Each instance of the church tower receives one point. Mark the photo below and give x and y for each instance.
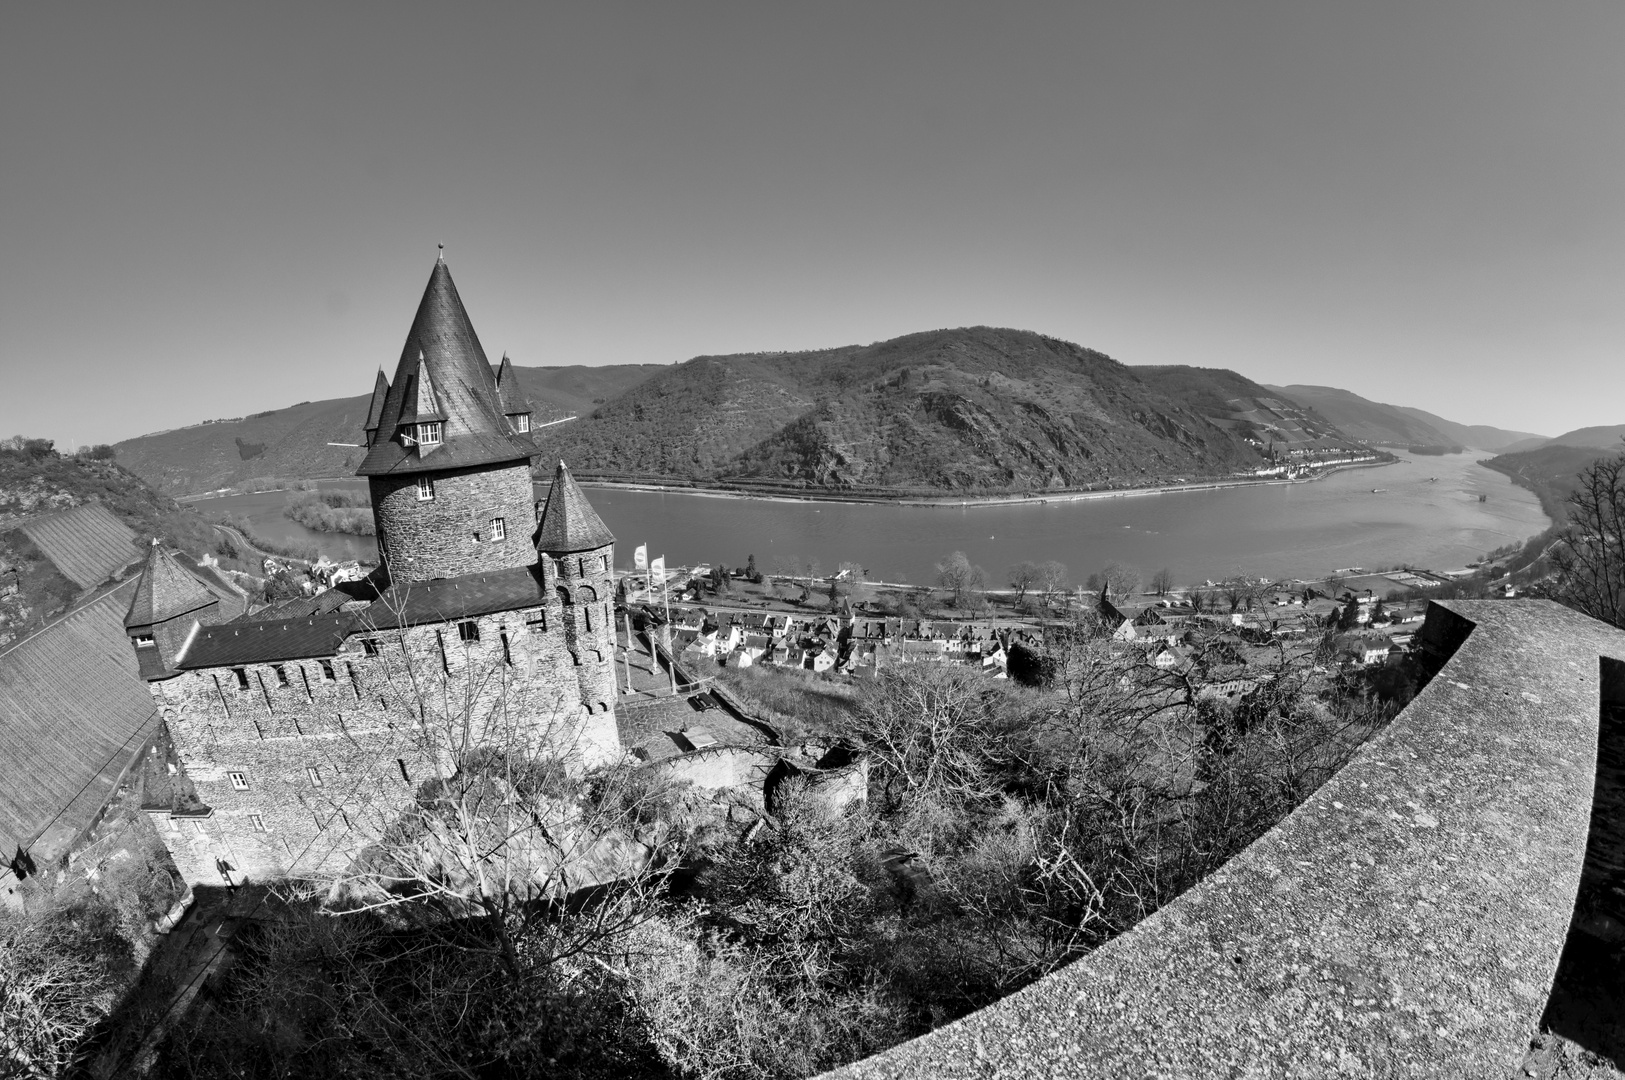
(449, 451)
(577, 554)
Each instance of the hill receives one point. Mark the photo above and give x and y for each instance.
(977, 409)
(1550, 471)
(295, 442)
(1606, 437)
(1395, 425)
(1244, 407)
(1477, 436)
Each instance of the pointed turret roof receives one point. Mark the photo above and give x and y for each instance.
(443, 375)
(510, 394)
(375, 409)
(569, 523)
(166, 590)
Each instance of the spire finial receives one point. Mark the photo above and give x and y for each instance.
(442, 256)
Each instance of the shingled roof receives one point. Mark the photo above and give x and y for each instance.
(73, 715)
(442, 375)
(569, 523)
(165, 590)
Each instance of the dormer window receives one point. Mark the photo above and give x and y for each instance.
(429, 433)
(144, 641)
(521, 422)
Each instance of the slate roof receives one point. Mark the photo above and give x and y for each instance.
(86, 543)
(510, 395)
(447, 599)
(165, 591)
(569, 523)
(375, 408)
(74, 713)
(443, 371)
(266, 641)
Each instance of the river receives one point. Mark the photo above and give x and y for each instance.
(1295, 530)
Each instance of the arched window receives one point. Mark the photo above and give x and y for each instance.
(603, 706)
(564, 596)
(586, 710)
(586, 594)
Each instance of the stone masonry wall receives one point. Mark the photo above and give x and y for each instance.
(374, 727)
(582, 585)
(585, 587)
(451, 534)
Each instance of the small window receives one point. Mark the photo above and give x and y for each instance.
(197, 827)
(425, 488)
(369, 646)
(404, 774)
(521, 422)
(281, 674)
(429, 434)
(507, 654)
(238, 780)
(328, 674)
(242, 677)
(468, 631)
(499, 528)
(315, 774)
(257, 821)
(144, 641)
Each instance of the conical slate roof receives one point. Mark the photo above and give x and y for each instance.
(510, 395)
(375, 409)
(165, 591)
(443, 375)
(569, 523)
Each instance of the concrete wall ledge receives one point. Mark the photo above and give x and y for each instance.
(1405, 921)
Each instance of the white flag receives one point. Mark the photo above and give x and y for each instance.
(658, 566)
(640, 557)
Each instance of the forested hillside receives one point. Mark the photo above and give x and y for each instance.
(967, 410)
(1396, 425)
(1551, 470)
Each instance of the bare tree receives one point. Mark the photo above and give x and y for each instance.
(1122, 582)
(50, 999)
(1590, 555)
(1162, 582)
(956, 574)
(1052, 579)
(509, 818)
(1022, 577)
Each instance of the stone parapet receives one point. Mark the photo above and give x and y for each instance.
(1406, 920)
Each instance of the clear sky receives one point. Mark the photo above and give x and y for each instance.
(210, 210)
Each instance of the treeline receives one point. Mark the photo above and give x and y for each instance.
(333, 511)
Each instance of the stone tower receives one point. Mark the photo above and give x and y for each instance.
(449, 451)
(577, 555)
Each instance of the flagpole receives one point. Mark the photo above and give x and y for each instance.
(671, 657)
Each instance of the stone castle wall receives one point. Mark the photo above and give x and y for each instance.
(375, 728)
(584, 584)
(451, 534)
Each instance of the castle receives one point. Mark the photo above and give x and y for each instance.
(292, 735)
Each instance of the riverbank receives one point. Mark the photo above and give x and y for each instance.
(1027, 499)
